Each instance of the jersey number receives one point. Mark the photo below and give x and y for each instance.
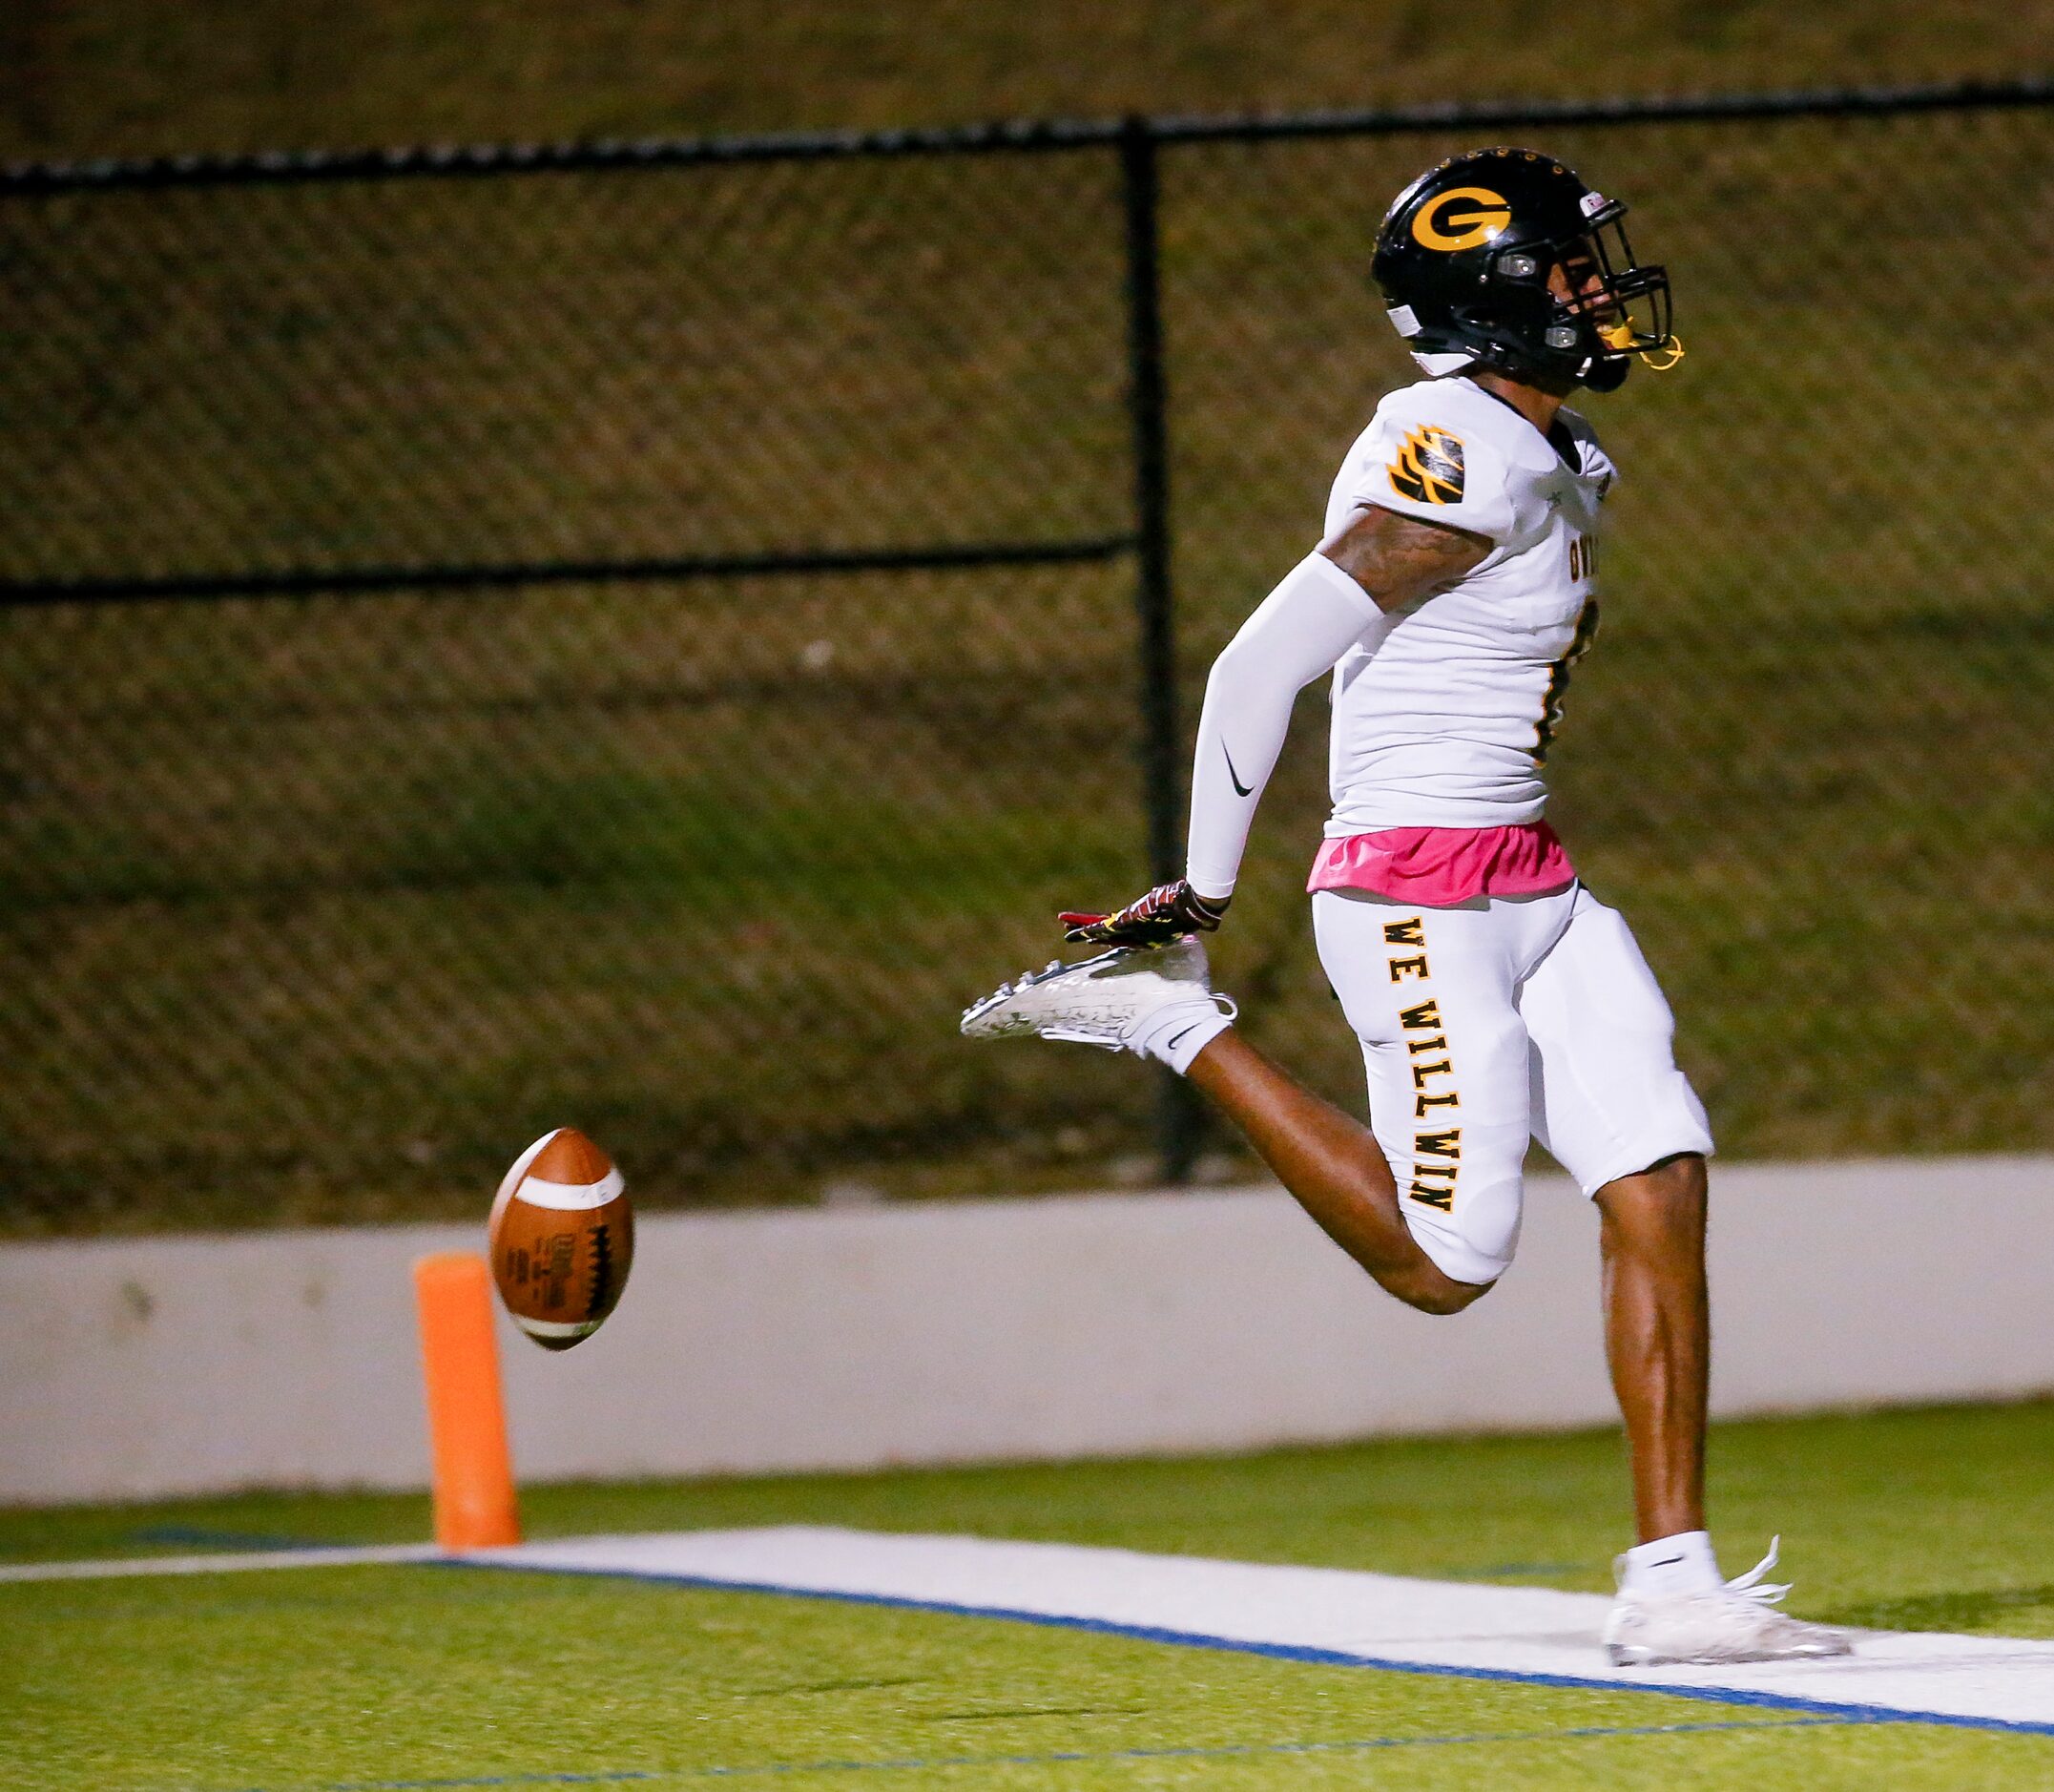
(1557, 679)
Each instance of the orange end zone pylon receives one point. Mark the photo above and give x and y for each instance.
(475, 1505)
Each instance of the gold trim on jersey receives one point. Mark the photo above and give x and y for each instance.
(1557, 679)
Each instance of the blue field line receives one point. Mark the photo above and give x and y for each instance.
(1292, 1651)
(1226, 1751)
(1505, 1569)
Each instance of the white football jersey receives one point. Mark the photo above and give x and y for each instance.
(1444, 721)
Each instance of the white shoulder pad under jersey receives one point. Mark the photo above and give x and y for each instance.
(1446, 452)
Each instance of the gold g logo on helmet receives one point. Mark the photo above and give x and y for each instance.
(1460, 219)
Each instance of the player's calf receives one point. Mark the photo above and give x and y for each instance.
(1333, 1166)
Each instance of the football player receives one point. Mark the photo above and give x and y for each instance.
(1494, 996)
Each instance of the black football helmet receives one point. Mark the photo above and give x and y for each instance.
(1464, 257)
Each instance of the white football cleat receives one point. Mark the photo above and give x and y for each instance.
(1737, 1622)
(1108, 1001)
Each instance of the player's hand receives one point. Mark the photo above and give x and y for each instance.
(1167, 912)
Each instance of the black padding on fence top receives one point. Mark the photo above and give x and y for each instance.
(450, 160)
(379, 580)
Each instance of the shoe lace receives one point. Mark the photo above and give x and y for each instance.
(1752, 1586)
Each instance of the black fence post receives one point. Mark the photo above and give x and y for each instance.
(1179, 1115)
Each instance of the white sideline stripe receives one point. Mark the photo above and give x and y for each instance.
(1344, 1616)
(240, 1560)
(1319, 1614)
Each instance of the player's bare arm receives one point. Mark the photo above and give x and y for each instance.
(1400, 561)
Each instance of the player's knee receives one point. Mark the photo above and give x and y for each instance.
(1429, 1290)
(1676, 1183)
(1658, 1208)
(1445, 1302)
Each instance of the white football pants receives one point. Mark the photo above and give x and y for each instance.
(1486, 1022)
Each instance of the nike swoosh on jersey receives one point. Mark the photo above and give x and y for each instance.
(1240, 788)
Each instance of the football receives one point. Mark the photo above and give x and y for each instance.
(561, 1239)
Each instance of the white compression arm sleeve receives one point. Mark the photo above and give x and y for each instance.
(1300, 628)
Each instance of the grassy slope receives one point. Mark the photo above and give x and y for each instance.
(1934, 1518)
(125, 76)
(244, 840)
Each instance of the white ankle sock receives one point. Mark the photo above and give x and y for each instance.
(1176, 1035)
(1672, 1565)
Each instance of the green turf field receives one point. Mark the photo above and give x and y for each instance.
(421, 1676)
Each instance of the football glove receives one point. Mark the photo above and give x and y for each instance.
(1167, 912)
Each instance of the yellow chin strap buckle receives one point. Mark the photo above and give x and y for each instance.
(1619, 338)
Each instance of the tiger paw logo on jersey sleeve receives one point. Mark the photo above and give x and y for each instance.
(1428, 468)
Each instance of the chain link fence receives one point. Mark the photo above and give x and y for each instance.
(636, 637)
